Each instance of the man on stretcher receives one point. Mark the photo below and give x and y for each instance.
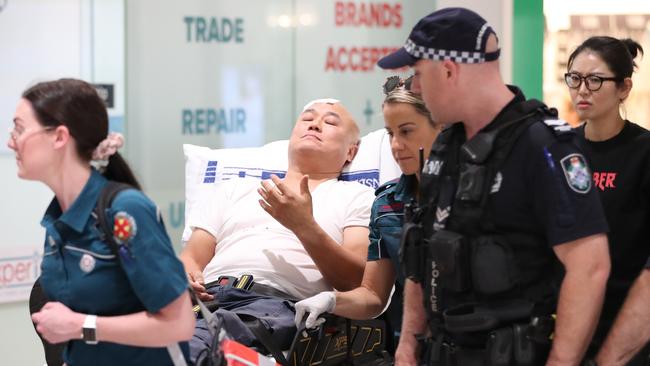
(257, 247)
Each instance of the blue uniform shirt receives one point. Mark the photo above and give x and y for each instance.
(387, 218)
(386, 221)
(80, 270)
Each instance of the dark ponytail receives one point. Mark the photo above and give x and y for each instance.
(118, 170)
(76, 105)
(618, 54)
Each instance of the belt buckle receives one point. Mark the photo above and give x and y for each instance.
(244, 282)
(225, 281)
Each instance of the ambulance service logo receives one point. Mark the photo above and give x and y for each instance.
(124, 227)
(576, 172)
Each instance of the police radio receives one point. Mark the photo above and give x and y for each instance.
(411, 251)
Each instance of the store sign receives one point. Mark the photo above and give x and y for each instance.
(214, 29)
(19, 269)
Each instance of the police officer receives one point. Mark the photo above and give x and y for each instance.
(509, 234)
(631, 330)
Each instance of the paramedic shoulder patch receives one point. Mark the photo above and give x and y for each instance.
(124, 227)
(576, 172)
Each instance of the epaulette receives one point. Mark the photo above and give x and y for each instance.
(386, 185)
(560, 127)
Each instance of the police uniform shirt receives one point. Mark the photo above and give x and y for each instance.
(80, 270)
(543, 190)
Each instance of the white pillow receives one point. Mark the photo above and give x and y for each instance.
(204, 167)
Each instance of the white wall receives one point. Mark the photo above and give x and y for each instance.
(44, 40)
(23, 204)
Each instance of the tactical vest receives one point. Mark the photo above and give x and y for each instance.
(468, 269)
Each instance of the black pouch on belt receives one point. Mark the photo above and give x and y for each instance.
(499, 347)
(450, 253)
(410, 251)
(525, 350)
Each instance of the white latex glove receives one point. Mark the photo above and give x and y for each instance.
(315, 306)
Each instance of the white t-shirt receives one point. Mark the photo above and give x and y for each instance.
(250, 241)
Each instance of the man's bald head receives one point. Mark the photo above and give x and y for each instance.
(327, 132)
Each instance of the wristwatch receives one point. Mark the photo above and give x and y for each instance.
(89, 329)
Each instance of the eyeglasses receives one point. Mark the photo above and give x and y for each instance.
(393, 82)
(592, 82)
(15, 135)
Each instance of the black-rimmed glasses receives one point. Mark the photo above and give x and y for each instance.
(592, 82)
(393, 82)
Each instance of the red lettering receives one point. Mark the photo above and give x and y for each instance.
(342, 65)
(387, 16)
(368, 14)
(374, 57)
(22, 270)
(363, 20)
(16, 273)
(330, 63)
(398, 20)
(365, 60)
(354, 66)
(355, 59)
(601, 181)
(610, 180)
(352, 10)
(375, 13)
(339, 13)
(7, 273)
(604, 180)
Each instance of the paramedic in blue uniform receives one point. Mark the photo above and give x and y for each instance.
(131, 310)
(505, 198)
(599, 77)
(410, 128)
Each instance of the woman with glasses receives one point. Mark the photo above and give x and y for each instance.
(599, 80)
(411, 131)
(130, 308)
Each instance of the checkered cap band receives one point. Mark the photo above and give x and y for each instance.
(434, 54)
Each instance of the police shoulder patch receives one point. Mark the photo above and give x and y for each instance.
(124, 227)
(576, 172)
